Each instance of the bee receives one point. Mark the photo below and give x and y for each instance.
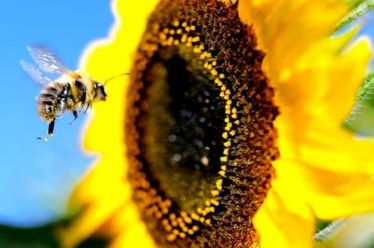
(71, 91)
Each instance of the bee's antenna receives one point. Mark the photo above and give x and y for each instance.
(116, 76)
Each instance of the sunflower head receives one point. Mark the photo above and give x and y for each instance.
(192, 140)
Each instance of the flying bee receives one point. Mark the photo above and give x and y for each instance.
(70, 92)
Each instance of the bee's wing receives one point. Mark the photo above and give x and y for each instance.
(48, 62)
(35, 73)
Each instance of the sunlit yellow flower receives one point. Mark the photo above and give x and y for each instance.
(322, 171)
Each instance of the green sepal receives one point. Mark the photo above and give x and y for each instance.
(358, 9)
(361, 119)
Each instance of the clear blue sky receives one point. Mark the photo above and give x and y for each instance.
(37, 177)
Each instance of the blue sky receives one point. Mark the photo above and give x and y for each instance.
(37, 177)
(368, 29)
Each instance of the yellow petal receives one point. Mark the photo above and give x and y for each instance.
(350, 69)
(324, 82)
(98, 204)
(328, 194)
(334, 195)
(283, 222)
(104, 190)
(303, 64)
(125, 229)
(286, 29)
(315, 80)
(311, 122)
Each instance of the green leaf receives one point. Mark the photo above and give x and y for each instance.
(40, 237)
(327, 231)
(354, 3)
(356, 231)
(322, 224)
(94, 243)
(361, 119)
(366, 92)
(359, 8)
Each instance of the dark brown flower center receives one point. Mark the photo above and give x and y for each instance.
(199, 126)
(180, 125)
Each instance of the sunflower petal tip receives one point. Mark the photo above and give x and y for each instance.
(364, 44)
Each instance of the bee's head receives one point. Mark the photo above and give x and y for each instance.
(100, 93)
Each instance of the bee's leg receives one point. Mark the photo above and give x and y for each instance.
(85, 111)
(75, 113)
(89, 105)
(51, 126)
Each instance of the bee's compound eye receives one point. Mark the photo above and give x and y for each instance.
(101, 93)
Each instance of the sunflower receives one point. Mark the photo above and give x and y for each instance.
(228, 130)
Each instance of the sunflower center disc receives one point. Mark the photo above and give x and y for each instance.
(199, 127)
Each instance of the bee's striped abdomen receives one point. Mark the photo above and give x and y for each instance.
(48, 101)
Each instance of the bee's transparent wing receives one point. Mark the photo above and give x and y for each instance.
(47, 61)
(35, 73)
